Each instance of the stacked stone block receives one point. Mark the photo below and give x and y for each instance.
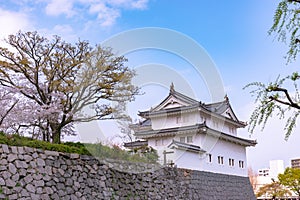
(28, 173)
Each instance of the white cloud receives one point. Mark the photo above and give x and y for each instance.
(129, 4)
(105, 15)
(142, 4)
(12, 22)
(107, 11)
(58, 7)
(104, 12)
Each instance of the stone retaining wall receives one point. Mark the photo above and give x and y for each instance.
(27, 173)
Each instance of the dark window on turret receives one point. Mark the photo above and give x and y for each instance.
(209, 158)
(241, 164)
(221, 160)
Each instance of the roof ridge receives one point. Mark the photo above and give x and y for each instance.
(218, 102)
(184, 96)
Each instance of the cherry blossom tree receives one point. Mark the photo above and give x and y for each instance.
(253, 178)
(8, 105)
(60, 80)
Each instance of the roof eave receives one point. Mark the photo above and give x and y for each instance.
(186, 147)
(145, 134)
(196, 128)
(231, 138)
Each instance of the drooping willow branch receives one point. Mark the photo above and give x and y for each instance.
(287, 95)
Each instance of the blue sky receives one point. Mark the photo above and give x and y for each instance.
(234, 34)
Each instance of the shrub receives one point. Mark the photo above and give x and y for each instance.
(97, 150)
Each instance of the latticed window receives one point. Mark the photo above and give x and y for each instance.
(189, 139)
(182, 139)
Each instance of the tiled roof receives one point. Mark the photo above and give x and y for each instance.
(218, 108)
(162, 132)
(185, 146)
(134, 144)
(198, 128)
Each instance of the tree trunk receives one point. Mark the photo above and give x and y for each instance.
(56, 137)
(46, 130)
(55, 132)
(46, 136)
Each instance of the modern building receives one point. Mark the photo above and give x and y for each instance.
(295, 163)
(270, 174)
(195, 135)
(275, 167)
(264, 172)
